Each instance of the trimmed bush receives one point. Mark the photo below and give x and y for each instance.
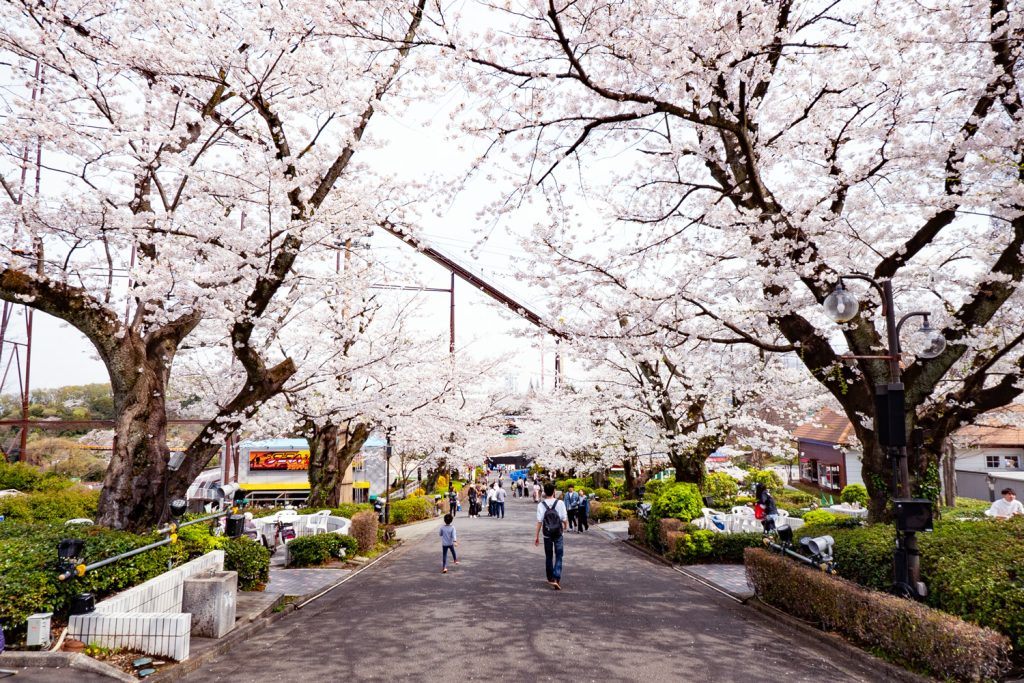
(915, 635)
(250, 559)
(666, 526)
(652, 489)
(721, 487)
(697, 546)
(411, 510)
(769, 478)
(854, 493)
(630, 505)
(28, 568)
(603, 494)
(681, 501)
(364, 530)
(637, 530)
(820, 517)
(50, 506)
(310, 551)
(790, 499)
(967, 508)
(608, 511)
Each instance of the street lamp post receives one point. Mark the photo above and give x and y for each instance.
(890, 418)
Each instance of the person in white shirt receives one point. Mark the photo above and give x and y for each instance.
(1007, 506)
(499, 502)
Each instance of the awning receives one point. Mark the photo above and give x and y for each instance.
(275, 487)
(360, 484)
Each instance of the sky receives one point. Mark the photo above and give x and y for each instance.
(412, 146)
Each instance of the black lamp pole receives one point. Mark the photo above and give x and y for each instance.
(890, 419)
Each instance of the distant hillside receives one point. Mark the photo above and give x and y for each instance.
(83, 402)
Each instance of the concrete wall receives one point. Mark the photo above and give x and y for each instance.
(974, 484)
(147, 617)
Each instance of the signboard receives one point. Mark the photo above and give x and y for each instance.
(278, 460)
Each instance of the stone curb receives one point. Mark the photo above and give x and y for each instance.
(59, 660)
(177, 671)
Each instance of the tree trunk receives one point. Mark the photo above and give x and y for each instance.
(948, 474)
(135, 489)
(331, 451)
(629, 470)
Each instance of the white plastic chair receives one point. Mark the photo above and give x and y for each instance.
(316, 523)
(716, 521)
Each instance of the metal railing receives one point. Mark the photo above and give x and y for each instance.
(171, 531)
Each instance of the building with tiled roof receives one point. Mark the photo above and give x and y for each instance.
(830, 455)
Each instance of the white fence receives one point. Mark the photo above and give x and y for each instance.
(147, 617)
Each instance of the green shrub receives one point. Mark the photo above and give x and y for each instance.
(345, 510)
(820, 517)
(721, 487)
(50, 506)
(703, 546)
(769, 478)
(790, 499)
(364, 530)
(967, 508)
(411, 510)
(18, 475)
(679, 500)
(603, 494)
(608, 511)
(652, 489)
(29, 571)
(854, 493)
(250, 559)
(309, 551)
(689, 547)
(915, 635)
(630, 505)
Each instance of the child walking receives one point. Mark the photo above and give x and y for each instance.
(448, 542)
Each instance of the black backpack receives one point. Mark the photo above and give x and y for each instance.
(551, 522)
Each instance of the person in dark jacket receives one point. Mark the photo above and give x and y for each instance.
(767, 503)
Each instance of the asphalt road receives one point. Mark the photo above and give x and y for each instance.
(619, 617)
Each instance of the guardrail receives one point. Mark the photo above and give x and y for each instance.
(171, 530)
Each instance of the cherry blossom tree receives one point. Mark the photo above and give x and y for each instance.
(747, 154)
(191, 156)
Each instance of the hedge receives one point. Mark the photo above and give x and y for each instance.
(607, 511)
(25, 478)
(28, 565)
(28, 568)
(315, 550)
(915, 635)
(965, 564)
(678, 500)
(411, 510)
(700, 546)
(50, 506)
(250, 559)
(364, 530)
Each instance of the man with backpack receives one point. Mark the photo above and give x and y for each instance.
(553, 521)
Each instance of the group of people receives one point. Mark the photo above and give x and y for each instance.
(555, 515)
(493, 496)
(577, 508)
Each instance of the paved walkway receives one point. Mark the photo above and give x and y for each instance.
(620, 617)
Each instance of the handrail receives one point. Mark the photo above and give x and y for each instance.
(171, 530)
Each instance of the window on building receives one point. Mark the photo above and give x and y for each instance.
(1013, 462)
(828, 477)
(809, 470)
(361, 495)
(992, 462)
